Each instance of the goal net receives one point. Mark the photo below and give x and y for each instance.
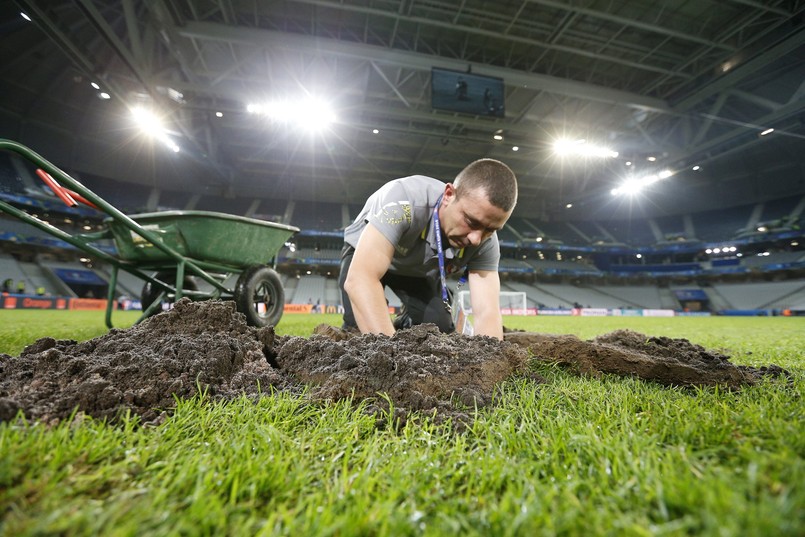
(511, 302)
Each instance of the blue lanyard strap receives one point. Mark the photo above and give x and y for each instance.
(437, 228)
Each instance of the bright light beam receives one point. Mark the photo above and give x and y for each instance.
(310, 114)
(582, 148)
(633, 186)
(152, 125)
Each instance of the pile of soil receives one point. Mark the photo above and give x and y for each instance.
(208, 347)
(195, 346)
(667, 361)
(420, 369)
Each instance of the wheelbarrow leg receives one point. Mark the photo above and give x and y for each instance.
(110, 296)
(179, 279)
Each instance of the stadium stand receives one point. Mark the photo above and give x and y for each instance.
(776, 258)
(21, 229)
(577, 296)
(525, 228)
(549, 266)
(643, 296)
(271, 211)
(594, 232)
(670, 228)
(721, 225)
(532, 294)
(514, 265)
(779, 209)
(759, 295)
(10, 268)
(129, 198)
(315, 255)
(508, 234)
(172, 200)
(309, 290)
(317, 216)
(39, 276)
(558, 231)
(332, 293)
(631, 232)
(236, 206)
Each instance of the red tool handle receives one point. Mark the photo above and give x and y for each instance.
(56, 188)
(68, 196)
(80, 198)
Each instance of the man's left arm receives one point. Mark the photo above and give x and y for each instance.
(485, 298)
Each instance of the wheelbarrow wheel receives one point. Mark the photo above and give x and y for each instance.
(259, 296)
(151, 292)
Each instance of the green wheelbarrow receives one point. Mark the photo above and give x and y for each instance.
(174, 251)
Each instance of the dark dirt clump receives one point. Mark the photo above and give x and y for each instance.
(195, 346)
(668, 361)
(420, 369)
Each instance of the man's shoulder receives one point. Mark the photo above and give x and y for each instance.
(417, 185)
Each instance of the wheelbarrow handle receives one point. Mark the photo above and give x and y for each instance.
(68, 196)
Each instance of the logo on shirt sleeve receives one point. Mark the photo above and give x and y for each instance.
(394, 213)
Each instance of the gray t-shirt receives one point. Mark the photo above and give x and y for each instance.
(402, 210)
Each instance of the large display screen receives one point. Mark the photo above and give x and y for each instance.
(466, 93)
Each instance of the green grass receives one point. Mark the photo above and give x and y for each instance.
(575, 456)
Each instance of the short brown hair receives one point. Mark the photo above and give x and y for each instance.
(492, 176)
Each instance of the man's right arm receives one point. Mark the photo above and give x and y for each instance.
(371, 260)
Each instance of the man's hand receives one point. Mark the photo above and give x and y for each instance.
(370, 262)
(485, 298)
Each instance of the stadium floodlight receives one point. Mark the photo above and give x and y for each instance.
(582, 148)
(151, 124)
(630, 187)
(310, 114)
(147, 121)
(634, 185)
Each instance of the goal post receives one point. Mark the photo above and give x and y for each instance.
(512, 302)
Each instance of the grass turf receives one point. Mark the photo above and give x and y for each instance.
(575, 456)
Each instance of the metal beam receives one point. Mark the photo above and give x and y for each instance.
(731, 79)
(714, 111)
(780, 114)
(274, 39)
(390, 84)
(633, 23)
(495, 34)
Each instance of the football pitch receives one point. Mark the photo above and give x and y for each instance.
(573, 456)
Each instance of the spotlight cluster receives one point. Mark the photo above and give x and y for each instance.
(722, 250)
(310, 114)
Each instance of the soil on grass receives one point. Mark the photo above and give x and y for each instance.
(195, 346)
(419, 369)
(668, 361)
(207, 347)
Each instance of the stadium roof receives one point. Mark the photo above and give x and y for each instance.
(688, 83)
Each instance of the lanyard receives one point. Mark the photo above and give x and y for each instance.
(437, 227)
